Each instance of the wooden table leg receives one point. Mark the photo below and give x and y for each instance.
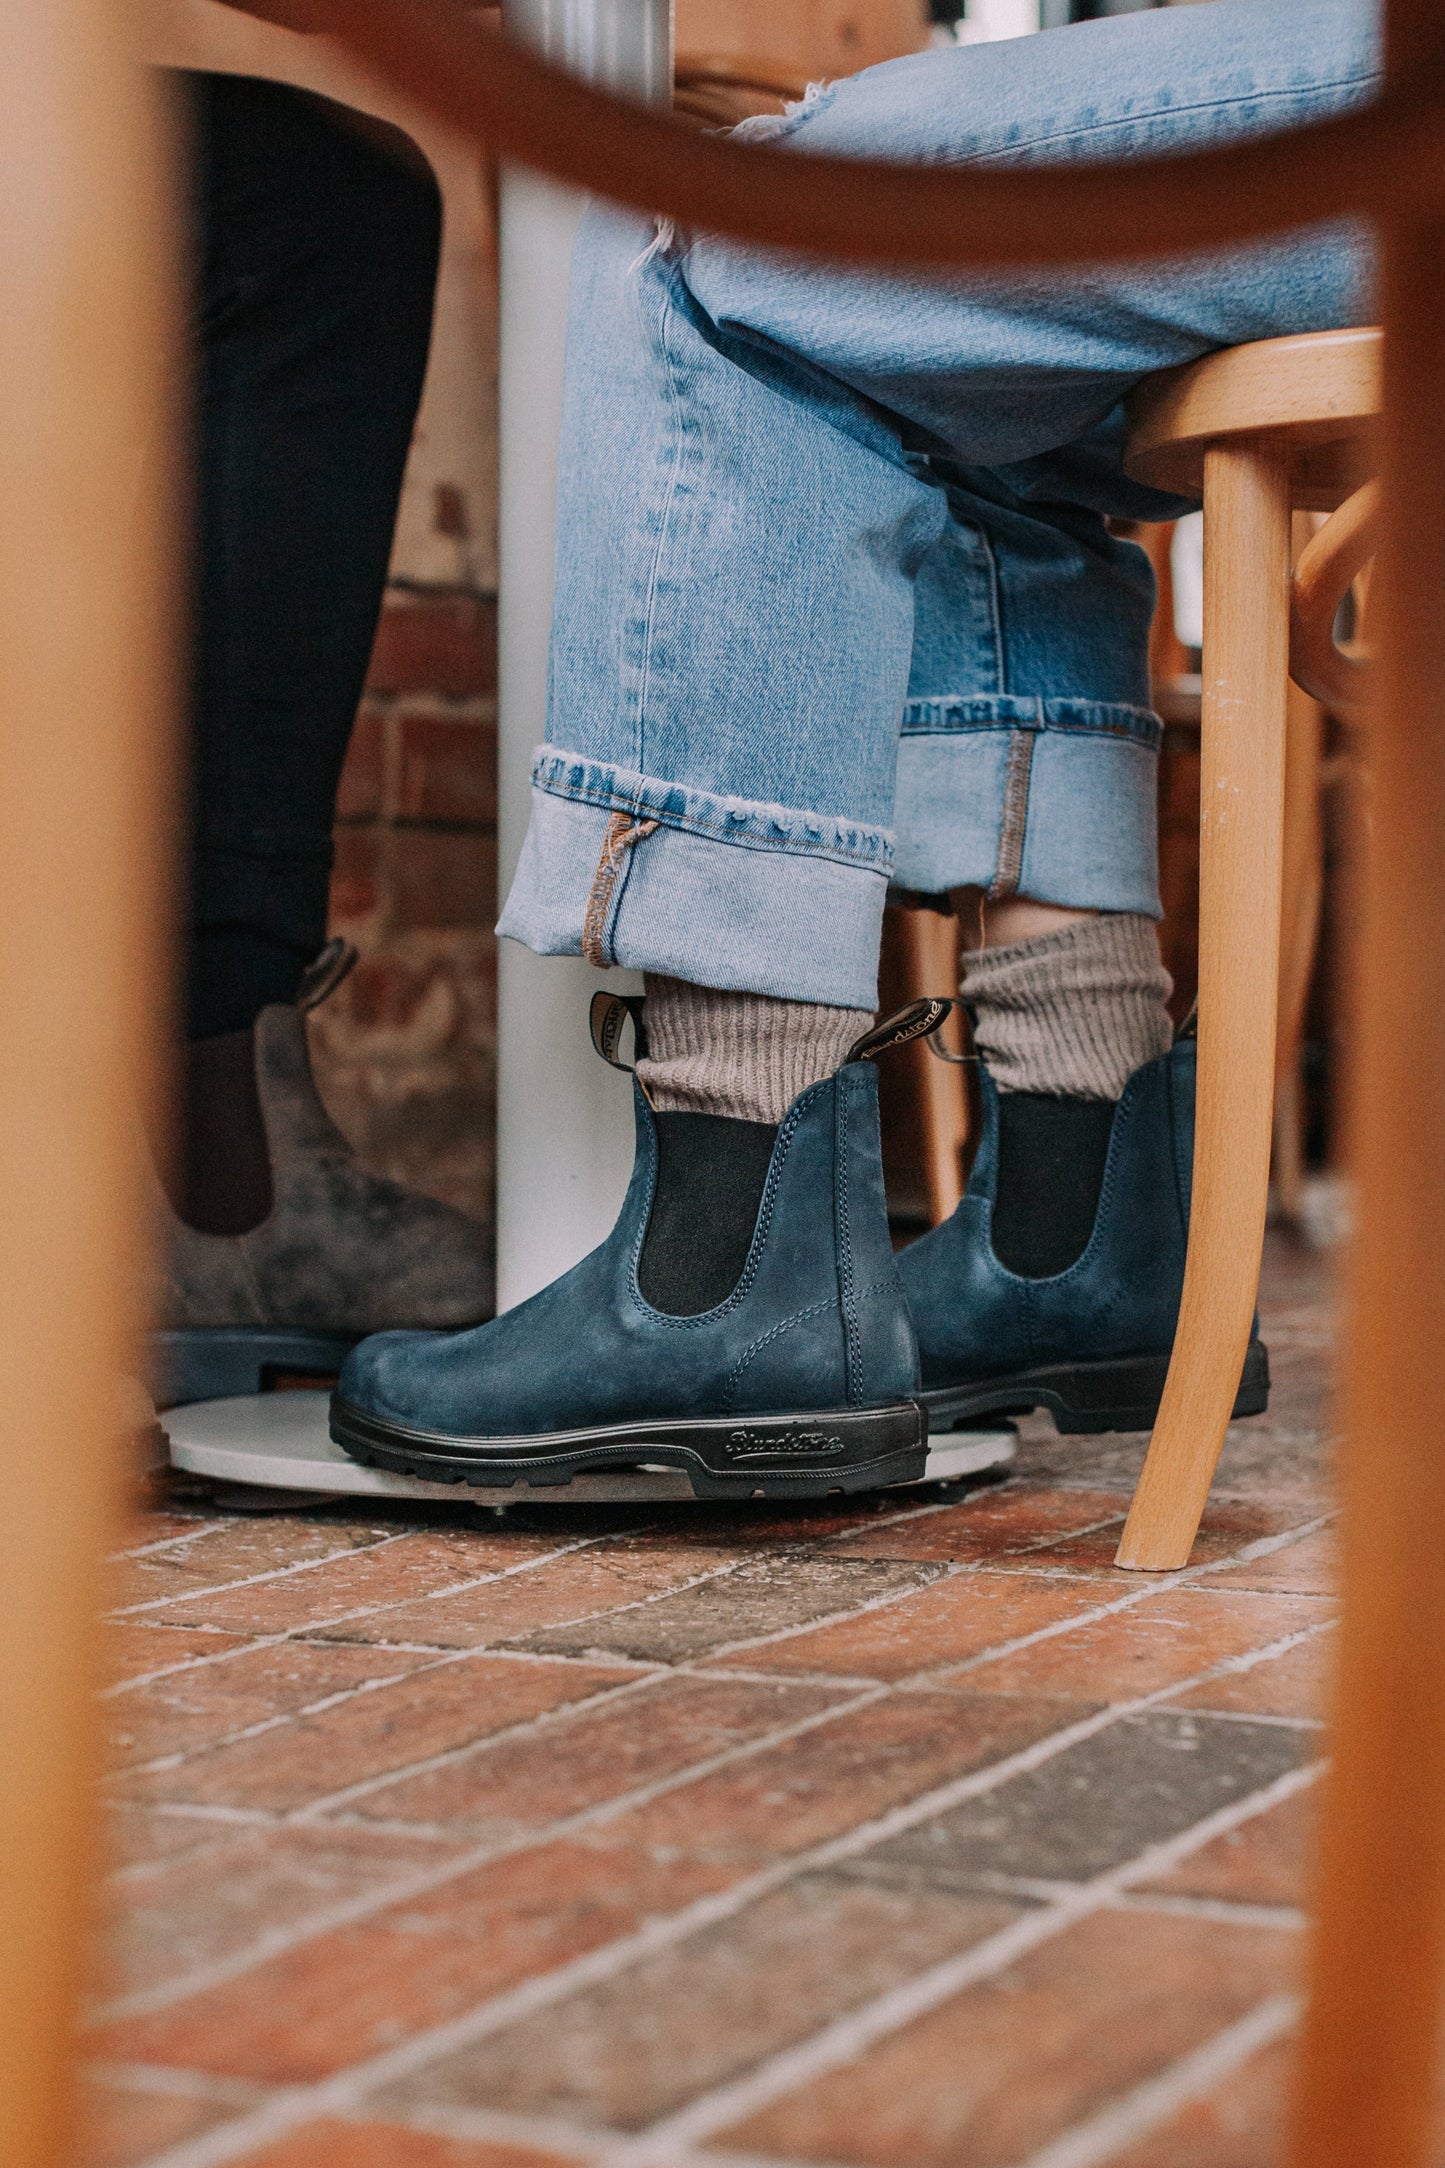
(1246, 657)
(84, 340)
(1371, 2041)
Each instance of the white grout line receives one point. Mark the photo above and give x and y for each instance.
(172, 2081)
(850, 2036)
(422, 1834)
(254, 1580)
(740, 1675)
(1225, 1911)
(278, 1941)
(1103, 2136)
(340, 2093)
(496, 2127)
(166, 1543)
(1261, 1716)
(314, 1628)
(717, 2157)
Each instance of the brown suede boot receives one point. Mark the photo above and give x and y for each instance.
(343, 1252)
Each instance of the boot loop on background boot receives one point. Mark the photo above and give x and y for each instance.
(325, 972)
(915, 1020)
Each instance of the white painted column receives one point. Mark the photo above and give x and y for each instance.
(564, 1119)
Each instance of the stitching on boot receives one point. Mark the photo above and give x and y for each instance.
(1013, 824)
(623, 833)
(852, 1336)
(755, 1347)
(796, 1317)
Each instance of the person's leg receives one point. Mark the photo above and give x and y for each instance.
(315, 255)
(759, 455)
(315, 249)
(767, 467)
(316, 260)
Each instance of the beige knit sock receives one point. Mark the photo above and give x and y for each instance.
(745, 1055)
(1072, 1013)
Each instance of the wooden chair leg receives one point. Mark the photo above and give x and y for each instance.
(1246, 641)
(930, 952)
(1302, 892)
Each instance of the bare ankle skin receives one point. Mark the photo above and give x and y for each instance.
(988, 924)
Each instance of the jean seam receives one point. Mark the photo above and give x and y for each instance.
(669, 495)
(623, 835)
(995, 608)
(1315, 93)
(1013, 816)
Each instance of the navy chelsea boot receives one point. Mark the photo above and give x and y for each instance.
(800, 1380)
(1091, 1343)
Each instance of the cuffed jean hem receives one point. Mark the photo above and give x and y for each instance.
(728, 892)
(1052, 799)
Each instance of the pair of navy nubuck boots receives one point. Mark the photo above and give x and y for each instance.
(748, 1322)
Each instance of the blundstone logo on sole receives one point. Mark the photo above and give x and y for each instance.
(756, 1445)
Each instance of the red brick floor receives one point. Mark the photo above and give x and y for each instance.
(910, 1834)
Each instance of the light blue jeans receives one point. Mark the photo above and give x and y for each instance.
(837, 603)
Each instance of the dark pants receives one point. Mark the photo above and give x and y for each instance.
(315, 263)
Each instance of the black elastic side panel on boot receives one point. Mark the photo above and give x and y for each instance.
(710, 1176)
(220, 1183)
(1051, 1155)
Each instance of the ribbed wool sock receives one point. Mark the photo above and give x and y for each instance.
(1062, 1022)
(721, 1071)
(1072, 1013)
(743, 1055)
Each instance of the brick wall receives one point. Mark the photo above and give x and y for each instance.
(406, 1050)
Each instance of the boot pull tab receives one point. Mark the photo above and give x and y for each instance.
(606, 1016)
(325, 973)
(916, 1020)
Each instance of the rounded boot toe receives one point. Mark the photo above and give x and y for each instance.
(390, 1375)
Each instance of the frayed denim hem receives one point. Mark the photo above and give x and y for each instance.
(751, 822)
(622, 887)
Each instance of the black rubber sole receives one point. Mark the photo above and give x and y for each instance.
(752, 1456)
(219, 1362)
(1119, 1395)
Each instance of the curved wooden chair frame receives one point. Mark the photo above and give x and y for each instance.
(84, 675)
(1256, 431)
